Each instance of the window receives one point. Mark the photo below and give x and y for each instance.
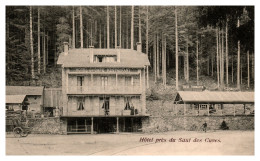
(80, 80)
(81, 103)
(105, 58)
(128, 81)
(104, 81)
(105, 104)
(203, 106)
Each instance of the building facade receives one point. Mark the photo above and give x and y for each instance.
(33, 95)
(103, 90)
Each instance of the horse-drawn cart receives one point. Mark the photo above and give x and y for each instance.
(17, 123)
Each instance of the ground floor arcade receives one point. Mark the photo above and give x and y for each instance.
(108, 124)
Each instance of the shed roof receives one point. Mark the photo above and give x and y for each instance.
(81, 58)
(24, 90)
(15, 99)
(215, 97)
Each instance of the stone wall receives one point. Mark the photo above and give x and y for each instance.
(194, 123)
(50, 125)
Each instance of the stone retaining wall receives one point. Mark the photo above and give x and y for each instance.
(50, 125)
(194, 123)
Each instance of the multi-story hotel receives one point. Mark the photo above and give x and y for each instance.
(103, 90)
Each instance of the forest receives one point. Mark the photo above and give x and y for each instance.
(211, 46)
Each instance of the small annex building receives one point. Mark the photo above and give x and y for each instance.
(16, 102)
(214, 103)
(103, 90)
(33, 96)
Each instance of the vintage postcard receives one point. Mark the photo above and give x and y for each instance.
(129, 80)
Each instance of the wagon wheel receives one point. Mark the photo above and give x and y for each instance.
(18, 132)
(24, 133)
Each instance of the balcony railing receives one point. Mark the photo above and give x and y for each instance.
(104, 90)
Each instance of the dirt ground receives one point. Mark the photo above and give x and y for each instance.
(171, 143)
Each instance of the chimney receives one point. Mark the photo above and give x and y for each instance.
(118, 53)
(139, 46)
(91, 58)
(66, 48)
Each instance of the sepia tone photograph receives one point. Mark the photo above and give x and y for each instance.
(129, 80)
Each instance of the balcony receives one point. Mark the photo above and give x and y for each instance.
(104, 90)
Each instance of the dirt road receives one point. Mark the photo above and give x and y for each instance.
(171, 143)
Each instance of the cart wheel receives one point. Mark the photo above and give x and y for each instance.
(24, 133)
(17, 132)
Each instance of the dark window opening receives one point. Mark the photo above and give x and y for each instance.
(80, 103)
(80, 80)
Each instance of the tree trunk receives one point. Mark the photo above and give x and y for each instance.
(248, 71)
(91, 33)
(140, 29)
(154, 59)
(238, 60)
(120, 25)
(132, 29)
(108, 43)
(31, 44)
(157, 56)
(39, 42)
(232, 69)
(81, 27)
(188, 73)
(253, 64)
(162, 60)
(222, 60)
(115, 28)
(220, 57)
(227, 59)
(197, 60)
(47, 55)
(73, 27)
(165, 78)
(104, 36)
(217, 38)
(44, 52)
(176, 49)
(147, 32)
(127, 43)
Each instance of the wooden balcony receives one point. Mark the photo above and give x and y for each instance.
(104, 90)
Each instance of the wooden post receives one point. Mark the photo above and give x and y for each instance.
(147, 73)
(117, 125)
(208, 109)
(116, 80)
(199, 109)
(92, 125)
(234, 110)
(184, 112)
(244, 109)
(140, 79)
(86, 125)
(221, 109)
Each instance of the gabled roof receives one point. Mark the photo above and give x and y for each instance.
(81, 58)
(24, 90)
(14, 99)
(214, 97)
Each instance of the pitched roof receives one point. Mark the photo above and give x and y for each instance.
(24, 90)
(81, 58)
(15, 99)
(215, 97)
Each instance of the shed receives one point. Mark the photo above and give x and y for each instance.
(208, 99)
(16, 102)
(33, 94)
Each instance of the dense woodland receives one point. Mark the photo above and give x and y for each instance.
(185, 44)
